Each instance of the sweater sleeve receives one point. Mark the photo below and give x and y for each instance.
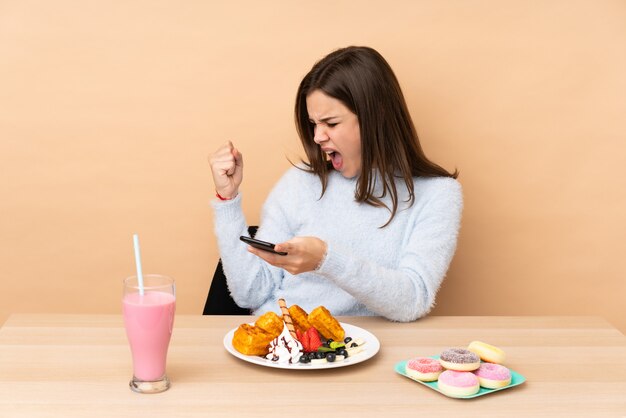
(251, 281)
(407, 292)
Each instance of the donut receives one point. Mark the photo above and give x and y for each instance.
(487, 352)
(458, 384)
(493, 376)
(459, 359)
(425, 369)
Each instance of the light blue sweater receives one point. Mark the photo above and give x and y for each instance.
(394, 271)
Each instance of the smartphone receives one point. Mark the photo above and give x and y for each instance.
(261, 245)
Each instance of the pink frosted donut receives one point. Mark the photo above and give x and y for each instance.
(459, 359)
(458, 384)
(493, 376)
(425, 369)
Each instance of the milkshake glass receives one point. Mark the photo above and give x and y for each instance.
(149, 319)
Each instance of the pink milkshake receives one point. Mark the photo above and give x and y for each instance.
(149, 319)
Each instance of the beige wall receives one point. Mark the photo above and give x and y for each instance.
(109, 109)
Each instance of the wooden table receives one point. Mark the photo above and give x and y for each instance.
(79, 366)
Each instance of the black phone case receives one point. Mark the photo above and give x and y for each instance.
(261, 245)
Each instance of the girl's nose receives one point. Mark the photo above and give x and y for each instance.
(319, 134)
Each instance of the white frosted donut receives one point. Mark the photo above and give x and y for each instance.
(487, 352)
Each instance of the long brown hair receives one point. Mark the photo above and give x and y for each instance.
(364, 82)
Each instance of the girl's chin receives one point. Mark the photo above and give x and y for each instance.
(349, 174)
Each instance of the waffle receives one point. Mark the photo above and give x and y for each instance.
(251, 341)
(271, 323)
(326, 324)
(300, 318)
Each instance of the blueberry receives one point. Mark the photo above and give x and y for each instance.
(342, 352)
(330, 357)
(354, 345)
(319, 355)
(311, 355)
(330, 340)
(305, 359)
(347, 340)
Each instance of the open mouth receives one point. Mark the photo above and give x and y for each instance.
(336, 159)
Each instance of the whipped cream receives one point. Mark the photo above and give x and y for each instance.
(285, 348)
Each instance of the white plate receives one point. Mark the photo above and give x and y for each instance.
(370, 348)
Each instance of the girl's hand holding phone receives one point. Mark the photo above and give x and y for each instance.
(303, 254)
